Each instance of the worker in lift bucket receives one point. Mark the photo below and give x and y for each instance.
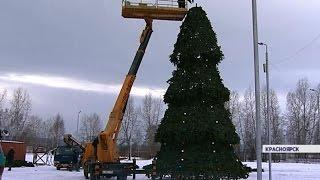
(182, 3)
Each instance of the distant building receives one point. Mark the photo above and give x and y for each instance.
(18, 147)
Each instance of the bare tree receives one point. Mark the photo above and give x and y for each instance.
(243, 117)
(19, 111)
(3, 114)
(276, 120)
(3, 96)
(45, 138)
(151, 112)
(248, 117)
(234, 106)
(57, 130)
(32, 130)
(5, 118)
(90, 126)
(316, 139)
(301, 116)
(129, 126)
(277, 125)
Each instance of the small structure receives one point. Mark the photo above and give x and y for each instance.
(42, 156)
(18, 147)
(156, 9)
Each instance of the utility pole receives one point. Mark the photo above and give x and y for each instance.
(266, 70)
(78, 123)
(257, 89)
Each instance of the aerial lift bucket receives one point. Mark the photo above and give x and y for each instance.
(171, 10)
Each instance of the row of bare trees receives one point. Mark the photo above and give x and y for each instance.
(303, 114)
(139, 126)
(298, 123)
(243, 116)
(90, 127)
(16, 117)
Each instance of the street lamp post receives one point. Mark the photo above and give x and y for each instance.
(257, 89)
(78, 123)
(266, 70)
(318, 96)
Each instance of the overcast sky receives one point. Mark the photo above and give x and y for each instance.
(73, 55)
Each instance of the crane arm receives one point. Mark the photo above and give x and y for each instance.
(108, 137)
(71, 141)
(121, 102)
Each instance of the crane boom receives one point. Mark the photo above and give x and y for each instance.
(107, 149)
(121, 102)
(101, 157)
(71, 141)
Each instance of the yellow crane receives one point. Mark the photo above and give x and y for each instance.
(101, 157)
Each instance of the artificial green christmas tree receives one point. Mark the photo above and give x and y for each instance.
(196, 133)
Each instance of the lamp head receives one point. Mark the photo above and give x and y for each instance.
(5, 132)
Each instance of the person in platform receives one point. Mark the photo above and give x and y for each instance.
(182, 3)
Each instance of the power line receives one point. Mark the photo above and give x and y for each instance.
(298, 51)
(275, 67)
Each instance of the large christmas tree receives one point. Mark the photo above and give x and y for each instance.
(196, 133)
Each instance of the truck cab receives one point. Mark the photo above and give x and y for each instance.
(63, 156)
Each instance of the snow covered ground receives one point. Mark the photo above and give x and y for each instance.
(288, 171)
(281, 171)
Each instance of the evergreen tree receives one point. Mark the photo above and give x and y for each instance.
(196, 133)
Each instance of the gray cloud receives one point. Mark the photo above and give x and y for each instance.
(79, 85)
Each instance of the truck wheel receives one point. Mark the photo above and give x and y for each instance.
(94, 177)
(86, 172)
(58, 168)
(122, 177)
(92, 174)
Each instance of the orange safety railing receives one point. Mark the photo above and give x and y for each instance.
(153, 3)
